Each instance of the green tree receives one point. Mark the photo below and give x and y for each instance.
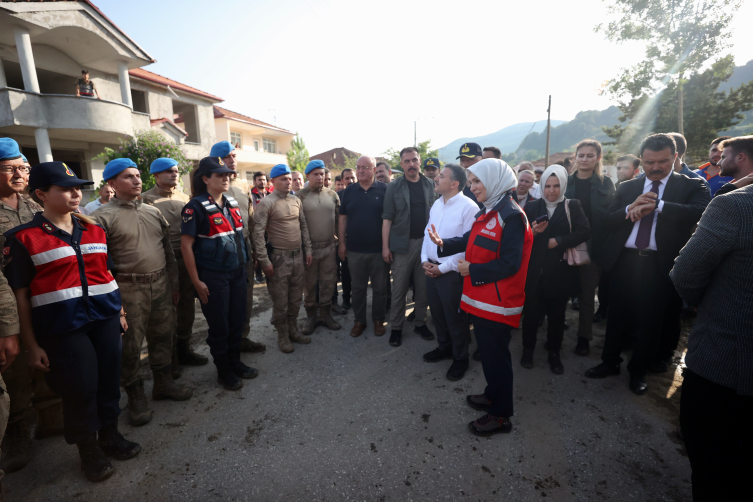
(424, 151)
(144, 148)
(681, 36)
(298, 155)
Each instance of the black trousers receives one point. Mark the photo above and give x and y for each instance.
(226, 310)
(671, 327)
(451, 323)
(603, 294)
(343, 275)
(640, 294)
(715, 424)
(494, 342)
(535, 308)
(85, 373)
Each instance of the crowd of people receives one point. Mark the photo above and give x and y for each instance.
(485, 247)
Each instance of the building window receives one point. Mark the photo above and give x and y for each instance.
(270, 145)
(235, 139)
(187, 117)
(250, 176)
(140, 103)
(256, 145)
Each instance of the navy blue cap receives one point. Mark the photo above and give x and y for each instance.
(117, 166)
(54, 173)
(279, 170)
(432, 162)
(221, 149)
(162, 164)
(9, 149)
(314, 164)
(210, 165)
(470, 150)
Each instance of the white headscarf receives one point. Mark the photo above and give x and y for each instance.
(498, 179)
(561, 174)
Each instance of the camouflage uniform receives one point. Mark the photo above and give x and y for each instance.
(9, 326)
(282, 218)
(138, 238)
(321, 208)
(170, 204)
(22, 381)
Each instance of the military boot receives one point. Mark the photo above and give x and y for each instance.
(94, 463)
(328, 320)
(248, 345)
(138, 411)
(49, 421)
(283, 339)
(311, 321)
(165, 388)
(175, 368)
(294, 334)
(187, 356)
(17, 444)
(113, 444)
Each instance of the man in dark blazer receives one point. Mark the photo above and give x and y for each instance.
(650, 219)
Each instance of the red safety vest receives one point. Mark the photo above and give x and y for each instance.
(72, 285)
(500, 301)
(223, 248)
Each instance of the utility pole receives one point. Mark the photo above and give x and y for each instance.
(548, 130)
(414, 133)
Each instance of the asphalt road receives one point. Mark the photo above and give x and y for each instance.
(355, 419)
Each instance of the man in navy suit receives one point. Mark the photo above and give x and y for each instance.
(651, 219)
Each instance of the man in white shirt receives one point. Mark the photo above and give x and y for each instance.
(105, 194)
(452, 215)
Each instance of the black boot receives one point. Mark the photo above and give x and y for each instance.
(114, 445)
(583, 348)
(95, 465)
(527, 359)
(225, 375)
(555, 364)
(239, 369)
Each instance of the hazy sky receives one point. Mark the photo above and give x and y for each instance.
(357, 74)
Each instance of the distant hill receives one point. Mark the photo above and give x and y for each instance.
(586, 124)
(507, 139)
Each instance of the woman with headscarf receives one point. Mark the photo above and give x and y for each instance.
(496, 259)
(551, 281)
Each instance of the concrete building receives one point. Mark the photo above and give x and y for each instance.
(260, 146)
(44, 45)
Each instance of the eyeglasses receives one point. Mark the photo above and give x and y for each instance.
(12, 169)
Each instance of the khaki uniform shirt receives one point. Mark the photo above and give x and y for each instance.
(238, 192)
(170, 204)
(321, 208)
(282, 218)
(138, 238)
(11, 218)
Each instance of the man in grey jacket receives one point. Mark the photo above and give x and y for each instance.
(405, 215)
(714, 273)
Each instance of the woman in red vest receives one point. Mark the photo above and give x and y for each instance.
(71, 315)
(497, 250)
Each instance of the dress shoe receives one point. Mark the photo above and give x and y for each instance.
(424, 331)
(603, 370)
(526, 359)
(638, 385)
(248, 345)
(457, 369)
(555, 364)
(489, 425)
(576, 304)
(338, 310)
(600, 315)
(242, 371)
(411, 317)
(477, 355)
(437, 355)
(346, 304)
(661, 365)
(583, 348)
(396, 338)
(478, 402)
(379, 328)
(358, 328)
(260, 279)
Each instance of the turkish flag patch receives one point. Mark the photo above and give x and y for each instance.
(188, 211)
(6, 251)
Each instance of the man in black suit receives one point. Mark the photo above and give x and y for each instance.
(651, 218)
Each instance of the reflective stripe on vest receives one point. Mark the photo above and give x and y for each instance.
(494, 309)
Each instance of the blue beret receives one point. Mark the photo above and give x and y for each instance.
(9, 149)
(221, 149)
(279, 170)
(23, 157)
(116, 166)
(162, 164)
(314, 164)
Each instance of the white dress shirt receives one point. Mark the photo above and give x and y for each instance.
(451, 219)
(93, 205)
(647, 184)
(535, 191)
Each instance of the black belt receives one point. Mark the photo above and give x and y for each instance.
(640, 252)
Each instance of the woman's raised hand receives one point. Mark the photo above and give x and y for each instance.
(434, 236)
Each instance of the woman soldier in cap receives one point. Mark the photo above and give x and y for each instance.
(215, 255)
(71, 315)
